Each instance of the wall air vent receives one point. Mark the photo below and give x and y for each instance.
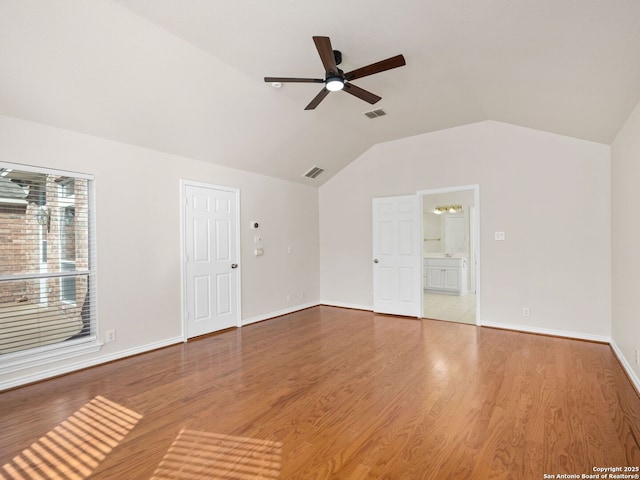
(375, 113)
(313, 172)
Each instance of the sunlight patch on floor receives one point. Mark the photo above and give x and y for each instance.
(75, 448)
(202, 455)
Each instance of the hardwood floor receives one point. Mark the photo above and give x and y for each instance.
(332, 393)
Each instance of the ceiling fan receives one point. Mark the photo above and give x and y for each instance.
(335, 79)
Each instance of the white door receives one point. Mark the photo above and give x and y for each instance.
(397, 255)
(211, 259)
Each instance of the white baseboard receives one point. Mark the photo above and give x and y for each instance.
(71, 367)
(626, 365)
(354, 306)
(55, 371)
(549, 331)
(267, 316)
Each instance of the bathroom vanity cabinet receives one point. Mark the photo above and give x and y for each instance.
(445, 275)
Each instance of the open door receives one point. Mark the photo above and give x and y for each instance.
(397, 255)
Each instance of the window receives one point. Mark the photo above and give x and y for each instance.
(47, 264)
(67, 187)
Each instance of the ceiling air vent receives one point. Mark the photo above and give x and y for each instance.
(375, 113)
(314, 172)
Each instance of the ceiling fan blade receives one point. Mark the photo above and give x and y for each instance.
(288, 79)
(381, 66)
(361, 93)
(323, 44)
(318, 98)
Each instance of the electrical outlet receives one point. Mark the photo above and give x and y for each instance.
(526, 312)
(637, 357)
(288, 298)
(111, 336)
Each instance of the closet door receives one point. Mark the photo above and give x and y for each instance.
(211, 259)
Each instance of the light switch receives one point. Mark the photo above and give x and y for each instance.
(500, 236)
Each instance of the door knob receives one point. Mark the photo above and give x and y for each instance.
(234, 265)
(375, 260)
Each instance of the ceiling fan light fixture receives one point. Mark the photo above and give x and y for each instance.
(335, 79)
(334, 84)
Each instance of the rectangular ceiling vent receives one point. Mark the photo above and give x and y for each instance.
(375, 113)
(314, 172)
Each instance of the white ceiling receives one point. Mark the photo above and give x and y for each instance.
(186, 76)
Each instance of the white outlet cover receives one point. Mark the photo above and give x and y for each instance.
(500, 236)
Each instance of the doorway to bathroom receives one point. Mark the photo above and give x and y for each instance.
(450, 254)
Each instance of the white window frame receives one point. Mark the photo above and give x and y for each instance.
(23, 359)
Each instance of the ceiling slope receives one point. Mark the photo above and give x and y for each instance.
(186, 76)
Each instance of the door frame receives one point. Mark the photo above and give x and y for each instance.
(183, 250)
(476, 236)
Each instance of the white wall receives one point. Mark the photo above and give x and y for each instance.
(625, 227)
(549, 193)
(138, 234)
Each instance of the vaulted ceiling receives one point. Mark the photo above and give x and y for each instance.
(186, 76)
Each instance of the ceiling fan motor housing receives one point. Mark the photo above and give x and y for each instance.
(330, 75)
(335, 79)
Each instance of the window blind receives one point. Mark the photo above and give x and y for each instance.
(47, 259)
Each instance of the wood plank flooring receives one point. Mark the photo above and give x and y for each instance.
(331, 393)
